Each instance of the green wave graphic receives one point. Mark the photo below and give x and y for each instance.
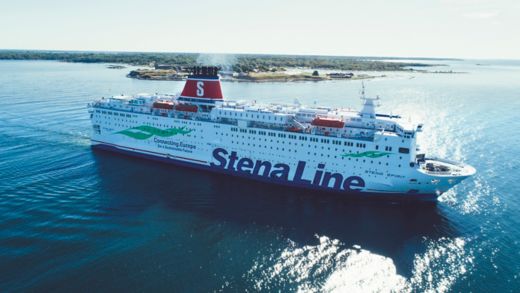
(367, 154)
(145, 132)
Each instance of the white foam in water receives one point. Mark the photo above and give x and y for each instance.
(477, 197)
(443, 263)
(365, 272)
(328, 267)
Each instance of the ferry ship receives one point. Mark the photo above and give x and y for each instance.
(322, 148)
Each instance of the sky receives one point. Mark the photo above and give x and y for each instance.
(404, 28)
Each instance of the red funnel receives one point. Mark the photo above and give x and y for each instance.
(203, 84)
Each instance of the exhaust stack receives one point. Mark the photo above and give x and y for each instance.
(203, 85)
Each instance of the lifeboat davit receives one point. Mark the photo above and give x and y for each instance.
(186, 108)
(163, 105)
(328, 122)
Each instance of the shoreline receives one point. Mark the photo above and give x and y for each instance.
(299, 76)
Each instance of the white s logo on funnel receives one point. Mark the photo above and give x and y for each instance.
(200, 88)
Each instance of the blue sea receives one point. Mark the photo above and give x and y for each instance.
(75, 219)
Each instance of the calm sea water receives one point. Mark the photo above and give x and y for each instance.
(74, 219)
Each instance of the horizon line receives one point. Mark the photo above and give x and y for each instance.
(220, 53)
(264, 54)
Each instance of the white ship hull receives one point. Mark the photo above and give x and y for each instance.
(267, 157)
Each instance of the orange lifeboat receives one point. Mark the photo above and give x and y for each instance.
(163, 105)
(186, 108)
(328, 122)
(294, 129)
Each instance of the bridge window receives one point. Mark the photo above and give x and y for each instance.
(404, 150)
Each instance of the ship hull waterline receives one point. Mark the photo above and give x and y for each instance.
(183, 162)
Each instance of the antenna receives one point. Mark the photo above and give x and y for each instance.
(362, 89)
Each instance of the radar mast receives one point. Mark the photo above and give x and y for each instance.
(369, 105)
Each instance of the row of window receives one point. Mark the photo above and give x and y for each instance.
(251, 115)
(315, 154)
(301, 137)
(115, 113)
(291, 136)
(312, 139)
(249, 140)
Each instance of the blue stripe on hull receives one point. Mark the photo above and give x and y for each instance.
(394, 196)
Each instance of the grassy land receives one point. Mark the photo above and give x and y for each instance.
(237, 63)
(155, 74)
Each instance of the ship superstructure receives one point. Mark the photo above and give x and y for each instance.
(324, 148)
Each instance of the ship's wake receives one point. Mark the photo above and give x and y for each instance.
(329, 266)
